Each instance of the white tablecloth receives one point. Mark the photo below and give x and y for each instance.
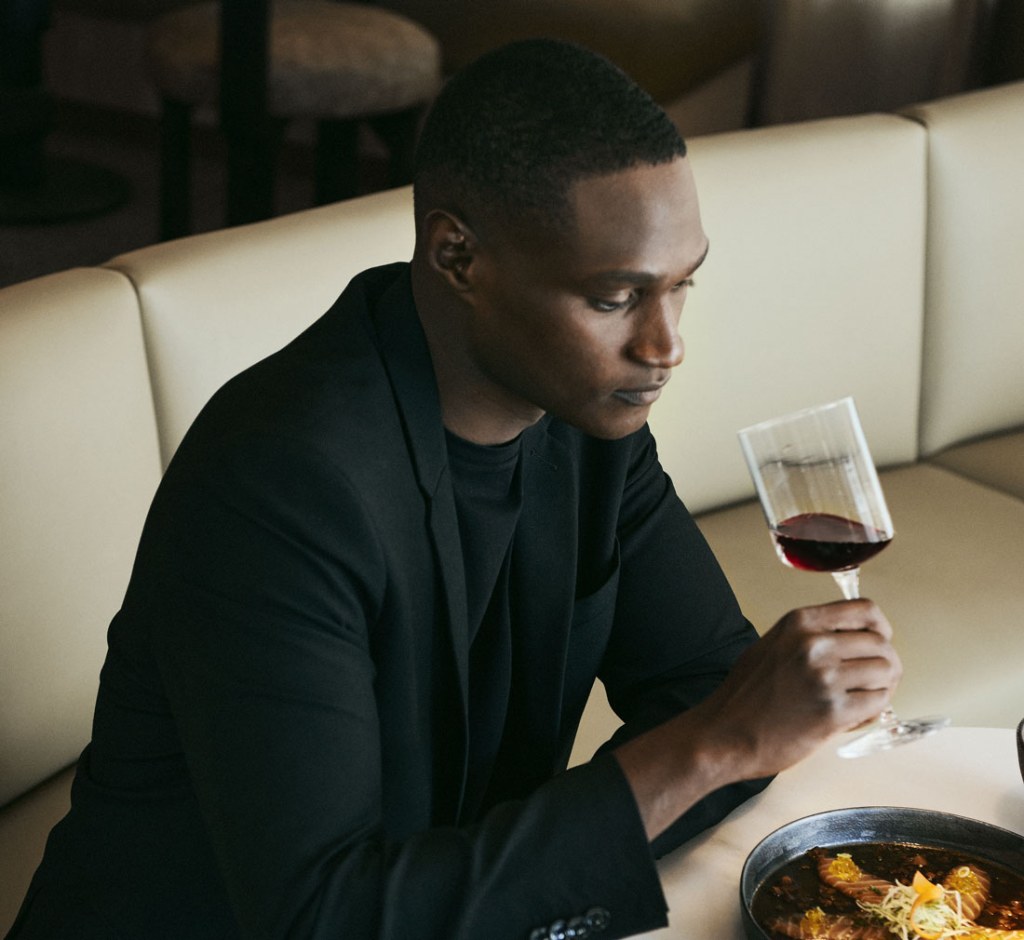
(968, 771)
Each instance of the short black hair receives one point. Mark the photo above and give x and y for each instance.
(514, 130)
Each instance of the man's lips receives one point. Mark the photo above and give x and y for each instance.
(645, 395)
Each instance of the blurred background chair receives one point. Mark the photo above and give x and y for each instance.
(707, 61)
(36, 186)
(828, 57)
(265, 64)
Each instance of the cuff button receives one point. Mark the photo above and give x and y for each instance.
(577, 929)
(597, 919)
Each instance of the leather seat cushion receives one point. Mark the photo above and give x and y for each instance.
(997, 461)
(24, 826)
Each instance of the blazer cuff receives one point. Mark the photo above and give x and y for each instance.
(621, 877)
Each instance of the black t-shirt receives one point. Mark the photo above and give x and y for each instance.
(488, 497)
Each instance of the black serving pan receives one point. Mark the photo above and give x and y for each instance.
(1020, 747)
(873, 824)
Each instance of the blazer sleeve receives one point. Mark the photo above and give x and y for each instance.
(262, 609)
(678, 627)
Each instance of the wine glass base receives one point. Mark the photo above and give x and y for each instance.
(883, 737)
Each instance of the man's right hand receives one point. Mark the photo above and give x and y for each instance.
(818, 672)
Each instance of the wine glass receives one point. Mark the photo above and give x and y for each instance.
(826, 512)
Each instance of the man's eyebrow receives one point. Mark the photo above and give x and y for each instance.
(645, 277)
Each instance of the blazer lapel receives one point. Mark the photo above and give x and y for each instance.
(406, 357)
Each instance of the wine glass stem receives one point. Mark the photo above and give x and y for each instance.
(849, 584)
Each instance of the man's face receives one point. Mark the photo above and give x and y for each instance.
(585, 325)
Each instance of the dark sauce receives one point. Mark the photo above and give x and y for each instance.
(796, 888)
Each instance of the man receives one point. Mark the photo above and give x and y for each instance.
(387, 563)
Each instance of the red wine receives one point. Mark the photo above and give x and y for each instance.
(816, 541)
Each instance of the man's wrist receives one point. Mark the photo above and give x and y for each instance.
(673, 766)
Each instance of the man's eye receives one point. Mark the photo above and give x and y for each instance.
(688, 282)
(610, 306)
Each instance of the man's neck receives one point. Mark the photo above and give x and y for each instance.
(469, 406)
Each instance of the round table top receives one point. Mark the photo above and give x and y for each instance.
(967, 771)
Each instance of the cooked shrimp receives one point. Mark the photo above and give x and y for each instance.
(843, 874)
(817, 925)
(991, 933)
(972, 884)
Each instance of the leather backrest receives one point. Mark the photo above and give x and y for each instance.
(973, 382)
(214, 304)
(78, 467)
(813, 290)
(781, 306)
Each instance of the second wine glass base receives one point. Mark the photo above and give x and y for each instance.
(886, 736)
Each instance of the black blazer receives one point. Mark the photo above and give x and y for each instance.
(280, 737)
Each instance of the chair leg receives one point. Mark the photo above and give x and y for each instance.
(399, 132)
(336, 174)
(251, 158)
(175, 170)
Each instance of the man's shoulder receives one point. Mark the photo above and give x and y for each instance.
(329, 386)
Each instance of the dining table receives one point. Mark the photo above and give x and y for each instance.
(971, 772)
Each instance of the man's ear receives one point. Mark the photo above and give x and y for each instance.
(450, 248)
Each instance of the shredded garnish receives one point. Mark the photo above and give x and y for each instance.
(927, 893)
(926, 890)
(844, 868)
(921, 909)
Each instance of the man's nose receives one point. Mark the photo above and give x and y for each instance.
(657, 342)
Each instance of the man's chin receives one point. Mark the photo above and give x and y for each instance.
(614, 426)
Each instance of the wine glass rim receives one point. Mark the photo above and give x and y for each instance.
(846, 401)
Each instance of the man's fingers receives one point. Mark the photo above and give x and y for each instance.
(858, 644)
(868, 675)
(845, 617)
(866, 703)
